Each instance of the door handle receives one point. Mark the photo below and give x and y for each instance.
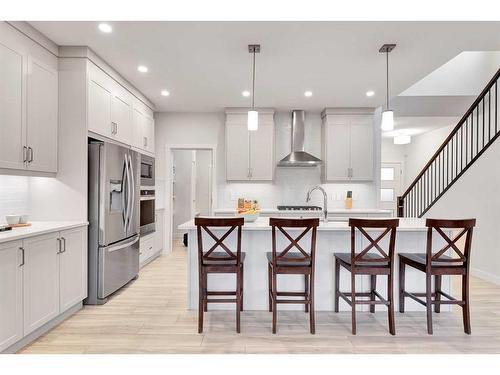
(30, 155)
(59, 247)
(25, 154)
(22, 253)
(64, 244)
(145, 141)
(132, 189)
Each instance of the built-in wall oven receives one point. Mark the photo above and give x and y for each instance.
(147, 210)
(147, 171)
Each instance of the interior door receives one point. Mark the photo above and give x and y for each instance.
(116, 191)
(12, 126)
(42, 117)
(390, 185)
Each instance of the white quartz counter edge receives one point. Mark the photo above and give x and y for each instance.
(332, 211)
(262, 224)
(39, 227)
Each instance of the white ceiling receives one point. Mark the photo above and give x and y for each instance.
(206, 65)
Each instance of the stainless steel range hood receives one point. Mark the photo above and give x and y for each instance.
(298, 157)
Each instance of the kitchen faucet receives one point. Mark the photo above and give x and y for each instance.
(325, 200)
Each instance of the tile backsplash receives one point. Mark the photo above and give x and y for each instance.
(14, 196)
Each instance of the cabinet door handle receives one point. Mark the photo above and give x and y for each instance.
(25, 154)
(30, 155)
(145, 141)
(64, 244)
(22, 253)
(59, 246)
(114, 127)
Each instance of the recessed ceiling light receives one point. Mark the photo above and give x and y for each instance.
(245, 93)
(105, 28)
(165, 93)
(370, 93)
(308, 94)
(142, 69)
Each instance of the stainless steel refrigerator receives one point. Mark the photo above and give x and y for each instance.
(113, 219)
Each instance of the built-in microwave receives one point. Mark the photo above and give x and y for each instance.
(147, 211)
(147, 171)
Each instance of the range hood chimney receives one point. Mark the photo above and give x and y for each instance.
(298, 157)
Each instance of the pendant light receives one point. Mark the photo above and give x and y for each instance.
(253, 115)
(388, 114)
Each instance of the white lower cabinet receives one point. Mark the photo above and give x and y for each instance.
(159, 234)
(11, 294)
(72, 268)
(146, 248)
(40, 281)
(40, 278)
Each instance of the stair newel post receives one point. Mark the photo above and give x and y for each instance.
(400, 207)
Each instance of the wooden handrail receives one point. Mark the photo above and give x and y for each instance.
(453, 132)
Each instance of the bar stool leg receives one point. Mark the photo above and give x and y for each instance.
(238, 301)
(437, 296)
(466, 307)
(337, 281)
(274, 294)
(428, 299)
(306, 292)
(312, 318)
(390, 299)
(401, 286)
(353, 302)
(201, 293)
(373, 287)
(241, 285)
(205, 288)
(270, 282)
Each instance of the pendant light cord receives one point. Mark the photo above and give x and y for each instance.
(387, 80)
(253, 80)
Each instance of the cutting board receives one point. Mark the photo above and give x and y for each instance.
(20, 225)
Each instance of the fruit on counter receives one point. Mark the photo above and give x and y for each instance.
(248, 206)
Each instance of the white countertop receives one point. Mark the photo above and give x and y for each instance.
(330, 211)
(37, 228)
(262, 224)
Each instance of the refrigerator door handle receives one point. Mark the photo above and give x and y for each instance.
(131, 180)
(124, 177)
(120, 246)
(127, 210)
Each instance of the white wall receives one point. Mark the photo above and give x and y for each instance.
(476, 195)
(13, 196)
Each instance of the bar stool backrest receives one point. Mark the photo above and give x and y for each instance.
(204, 224)
(388, 227)
(305, 224)
(461, 250)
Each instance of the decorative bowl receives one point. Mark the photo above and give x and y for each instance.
(12, 219)
(249, 217)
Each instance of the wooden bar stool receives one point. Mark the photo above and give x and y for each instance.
(213, 261)
(368, 263)
(287, 262)
(438, 264)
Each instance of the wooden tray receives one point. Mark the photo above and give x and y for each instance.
(20, 225)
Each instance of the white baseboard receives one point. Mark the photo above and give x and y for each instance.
(486, 276)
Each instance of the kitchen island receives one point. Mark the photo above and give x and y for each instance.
(332, 236)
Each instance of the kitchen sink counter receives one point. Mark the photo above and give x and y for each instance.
(332, 236)
(334, 212)
(37, 228)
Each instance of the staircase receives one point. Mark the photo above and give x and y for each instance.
(474, 133)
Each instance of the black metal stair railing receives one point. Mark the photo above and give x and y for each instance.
(474, 133)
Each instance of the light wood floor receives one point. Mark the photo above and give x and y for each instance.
(150, 316)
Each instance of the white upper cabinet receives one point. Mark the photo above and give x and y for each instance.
(143, 128)
(99, 109)
(11, 292)
(40, 281)
(28, 104)
(348, 144)
(41, 117)
(249, 154)
(113, 112)
(237, 152)
(12, 129)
